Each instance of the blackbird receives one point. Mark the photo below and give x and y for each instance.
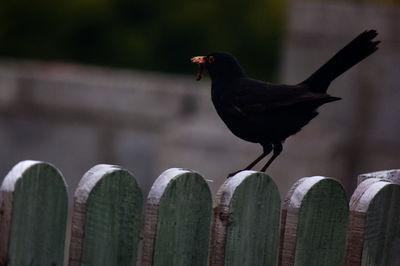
(267, 113)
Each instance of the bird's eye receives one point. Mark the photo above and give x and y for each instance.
(211, 59)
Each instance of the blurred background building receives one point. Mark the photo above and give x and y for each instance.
(89, 82)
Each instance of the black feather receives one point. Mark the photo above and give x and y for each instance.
(267, 113)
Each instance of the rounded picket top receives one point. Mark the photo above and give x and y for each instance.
(374, 227)
(106, 218)
(177, 220)
(314, 223)
(245, 226)
(391, 175)
(34, 207)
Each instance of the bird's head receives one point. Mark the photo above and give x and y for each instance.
(220, 66)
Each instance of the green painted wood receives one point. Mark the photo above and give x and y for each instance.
(382, 228)
(252, 233)
(177, 222)
(317, 210)
(359, 202)
(37, 205)
(107, 218)
(374, 229)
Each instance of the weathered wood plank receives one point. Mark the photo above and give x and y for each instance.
(107, 218)
(245, 227)
(314, 218)
(177, 222)
(392, 175)
(374, 225)
(34, 206)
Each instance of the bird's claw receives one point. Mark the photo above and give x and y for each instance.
(232, 174)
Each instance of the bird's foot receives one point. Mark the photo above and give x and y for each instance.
(234, 173)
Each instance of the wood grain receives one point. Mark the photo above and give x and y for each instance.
(177, 222)
(34, 211)
(374, 226)
(245, 228)
(391, 175)
(107, 218)
(315, 221)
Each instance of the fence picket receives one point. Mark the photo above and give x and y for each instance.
(106, 219)
(34, 206)
(314, 222)
(181, 228)
(374, 224)
(392, 175)
(245, 227)
(177, 220)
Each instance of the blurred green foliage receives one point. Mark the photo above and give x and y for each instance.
(153, 35)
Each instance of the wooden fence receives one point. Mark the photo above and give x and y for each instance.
(248, 225)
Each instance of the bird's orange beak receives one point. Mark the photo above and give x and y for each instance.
(198, 60)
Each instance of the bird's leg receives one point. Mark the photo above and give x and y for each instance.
(277, 150)
(266, 151)
(259, 158)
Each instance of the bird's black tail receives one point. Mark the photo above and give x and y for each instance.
(358, 49)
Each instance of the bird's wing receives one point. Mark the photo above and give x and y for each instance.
(253, 97)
